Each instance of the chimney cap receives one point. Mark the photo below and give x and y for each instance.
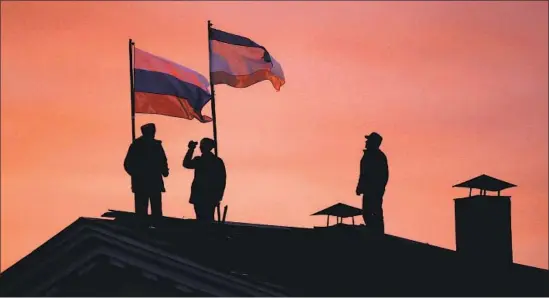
(340, 210)
(485, 182)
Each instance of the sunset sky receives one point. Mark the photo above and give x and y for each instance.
(456, 89)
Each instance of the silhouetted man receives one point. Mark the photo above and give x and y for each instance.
(374, 174)
(146, 163)
(209, 181)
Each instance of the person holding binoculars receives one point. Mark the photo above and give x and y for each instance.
(210, 179)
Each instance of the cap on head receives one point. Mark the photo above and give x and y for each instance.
(207, 144)
(375, 138)
(148, 129)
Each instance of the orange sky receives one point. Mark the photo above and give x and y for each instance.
(456, 89)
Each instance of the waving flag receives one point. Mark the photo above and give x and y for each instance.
(166, 88)
(240, 62)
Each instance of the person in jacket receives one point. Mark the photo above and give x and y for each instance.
(147, 164)
(210, 178)
(374, 175)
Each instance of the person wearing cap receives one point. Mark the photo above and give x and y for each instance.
(147, 164)
(374, 175)
(210, 178)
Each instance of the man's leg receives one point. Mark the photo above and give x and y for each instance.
(210, 209)
(141, 204)
(366, 212)
(376, 203)
(156, 204)
(198, 212)
(381, 219)
(204, 212)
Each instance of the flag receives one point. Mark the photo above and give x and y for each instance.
(240, 62)
(167, 88)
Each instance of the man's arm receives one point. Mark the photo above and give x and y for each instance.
(129, 160)
(164, 162)
(223, 178)
(359, 190)
(385, 170)
(188, 162)
(219, 179)
(380, 172)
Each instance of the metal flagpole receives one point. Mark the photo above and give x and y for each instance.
(132, 89)
(214, 118)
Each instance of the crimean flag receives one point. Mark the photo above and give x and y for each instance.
(240, 62)
(166, 88)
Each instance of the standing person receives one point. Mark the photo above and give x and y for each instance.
(374, 174)
(209, 181)
(146, 163)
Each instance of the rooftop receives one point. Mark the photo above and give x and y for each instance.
(188, 258)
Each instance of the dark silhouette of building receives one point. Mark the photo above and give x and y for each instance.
(483, 222)
(179, 257)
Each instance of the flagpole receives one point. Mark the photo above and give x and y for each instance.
(132, 89)
(214, 118)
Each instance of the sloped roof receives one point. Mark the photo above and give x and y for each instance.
(88, 239)
(249, 260)
(340, 210)
(485, 182)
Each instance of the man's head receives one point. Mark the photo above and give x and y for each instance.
(148, 130)
(206, 145)
(373, 140)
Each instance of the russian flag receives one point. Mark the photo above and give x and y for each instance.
(167, 88)
(240, 62)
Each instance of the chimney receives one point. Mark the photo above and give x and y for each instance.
(483, 222)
